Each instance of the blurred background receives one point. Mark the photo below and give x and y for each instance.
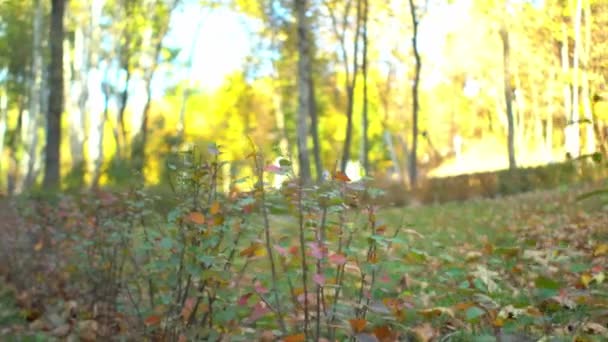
(400, 90)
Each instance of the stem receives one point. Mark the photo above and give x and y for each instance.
(269, 248)
(303, 254)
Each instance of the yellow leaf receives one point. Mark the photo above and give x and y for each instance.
(38, 246)
(215, 208)
(256, 249)
(601, 249)
(586, 279)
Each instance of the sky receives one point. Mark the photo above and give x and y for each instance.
(221, 39)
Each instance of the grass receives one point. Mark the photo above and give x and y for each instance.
(514, 268)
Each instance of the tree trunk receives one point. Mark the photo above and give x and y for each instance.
(304, 91)
(585, 92)
(34, 113)
(77, 101)
(574, 147)
(365, 121)
(138, 153)
(350, 89)
(53, 137)
(3, 127)
(413, 167)
(567, 91)
(504, 35)
(181, 125)
(314, 131)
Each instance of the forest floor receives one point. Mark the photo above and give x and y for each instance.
(537, 260)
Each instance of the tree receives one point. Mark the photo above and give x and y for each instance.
(160, 27)
(508, 91)
(413, 168)
(304, 90)
(364, 70)
(53, 135)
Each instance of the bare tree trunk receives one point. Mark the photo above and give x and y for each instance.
(350, 90)
(314, 131)
(101, 130)
(585, 93)
(138, 153)
(181, 125)
(77, 101)
(97, 117)
(304, 91)
(388, 137)
(3, 126)
(53, 137)
(567, 91)
(504, 35)
(575, 144)
(34, 114)
(365, 121)
(13, 184)
(413, 167)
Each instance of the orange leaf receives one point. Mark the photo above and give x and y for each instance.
(384, 333)
(357, 324)
(295, 338)
(196, 217)
(182, 338)
(152, 320)
(215, 208)
(341, 176)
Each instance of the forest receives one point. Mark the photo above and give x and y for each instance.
(303, 170)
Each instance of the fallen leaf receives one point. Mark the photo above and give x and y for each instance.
(586, 279)
(38, 246)
(295, 338)
(601, 249)
(61, 331)
(595, 329)
(436, 312)
(423, 333)
(384, 333)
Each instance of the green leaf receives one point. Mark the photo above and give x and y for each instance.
(545, 283)
(473, 313)
(166, 243)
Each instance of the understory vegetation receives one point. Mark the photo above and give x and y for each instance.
(302, 263)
